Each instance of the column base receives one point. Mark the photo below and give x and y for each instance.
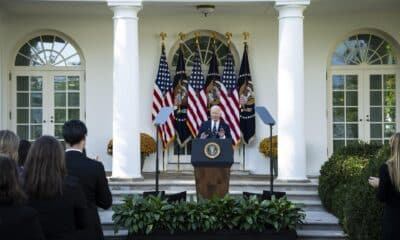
(124, 179)
(306, 180)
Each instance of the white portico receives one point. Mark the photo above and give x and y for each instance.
(290, 90)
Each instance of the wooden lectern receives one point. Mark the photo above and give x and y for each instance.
(212, 160)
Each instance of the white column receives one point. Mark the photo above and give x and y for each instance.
(126, 89)
(291, 144)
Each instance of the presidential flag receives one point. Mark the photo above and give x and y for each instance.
(162, 97)
(246, 100)
(229, 99)
(197, 101)
(180, 96)
(213, 83)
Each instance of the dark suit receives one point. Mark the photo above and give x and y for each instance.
(93, 179)
(206, 128)
(19, 222)
(391, 198)
(64, 216)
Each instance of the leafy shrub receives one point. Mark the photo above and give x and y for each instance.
(143, 216)
(341, 168)
(362, 211)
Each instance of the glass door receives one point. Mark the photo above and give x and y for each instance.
(43, 101)
(381, 106)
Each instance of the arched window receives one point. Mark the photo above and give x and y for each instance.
(364, 49)
(206, 44)
(48, 50)
(47, 84)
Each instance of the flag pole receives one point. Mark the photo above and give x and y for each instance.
(163, 35)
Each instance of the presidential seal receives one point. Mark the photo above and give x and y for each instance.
(212, 150)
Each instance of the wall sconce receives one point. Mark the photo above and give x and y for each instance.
(205, 9)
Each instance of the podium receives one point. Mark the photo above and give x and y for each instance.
(212, 160)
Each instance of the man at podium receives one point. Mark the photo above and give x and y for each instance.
(215, 127)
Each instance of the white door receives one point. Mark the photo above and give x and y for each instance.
(44, 100)
(362, 105)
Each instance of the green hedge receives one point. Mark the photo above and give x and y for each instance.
(341, 168)
(344, 189)
(146, 215)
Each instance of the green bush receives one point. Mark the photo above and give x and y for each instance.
(341, 168)
(143, 216)
(362, 211)
(344, 189)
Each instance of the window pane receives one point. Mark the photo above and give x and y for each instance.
(338, 82)
(22, 116)
(36, 83)
(338, 98)
(60, 115)
(337, 144)
(338, 114)
(376, 130)
(58, 132)
(23, 131)
(73, 82)
(22, 99)
(351, 82)
(59, 83)
(73, 99)
(390, 114)
(352, 130)
(36, 115)
(351, 98)
(375, 98)
(376, 114)
(389, 81)
(73, 114)
(36, 99)
(389, 98)
(338, 130)
(352, 114)
(390, 129)
(36, 131)
(22, 83)
(74, 61)
(375, 82)
(60, 99)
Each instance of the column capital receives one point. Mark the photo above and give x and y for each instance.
(291, 2)
(125, 8)
(291, 8)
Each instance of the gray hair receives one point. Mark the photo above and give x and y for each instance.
(214, 107)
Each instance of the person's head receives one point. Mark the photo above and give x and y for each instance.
(10, 190)
(9, 142)
(74, 133)
(215, 113)
(394, 161)
(44, 168)
(23, 149)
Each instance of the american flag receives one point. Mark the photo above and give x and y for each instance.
(162, 97)
(197, 102)
(229, 99)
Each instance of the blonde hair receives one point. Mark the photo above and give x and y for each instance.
(9, 143)
(394, 161)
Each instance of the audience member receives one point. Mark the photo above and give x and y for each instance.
(58, 198)
(91, 173)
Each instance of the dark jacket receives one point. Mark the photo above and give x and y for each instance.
(388, 194)
(93, 179)
(206, 128)
(64, 216)
(19, 222)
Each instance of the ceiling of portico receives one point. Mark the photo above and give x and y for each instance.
(181, 7)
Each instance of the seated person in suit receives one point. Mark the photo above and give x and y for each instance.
(215, 127)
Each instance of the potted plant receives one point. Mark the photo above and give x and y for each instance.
(265, 149)
(229, 217)
(147, 147)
